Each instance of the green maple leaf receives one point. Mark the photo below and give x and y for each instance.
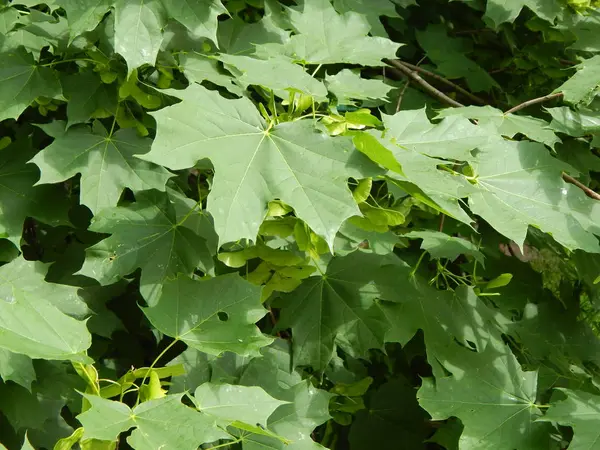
(249, 404)
(214, 315)
(440, 245)
(278, 74)
(372, 11)
(138, 31)
(505, 189)
(325, 37)
(22, 81)
(83, 15)
(16, 367)
(308, 407)
(19, 198)
(198, 16)
(150, 235)
(291, 161)
(33, 320)
(579, 122)
(87, 94)
(492, 396)
(583, 86)
(580, 410)
(339, 308)
(449, 55)
(453, 138)
(198, 68)
(163, 423)
(347, 86)
(508, 125)
(500, 11)
(105, 161)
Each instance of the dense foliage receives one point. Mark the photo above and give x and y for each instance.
(300, 224)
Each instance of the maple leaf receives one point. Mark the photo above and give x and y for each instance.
(105, 161)
(291, 161)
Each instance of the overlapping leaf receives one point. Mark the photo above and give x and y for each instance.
(149, 234)
(105, 161)
(291, 161)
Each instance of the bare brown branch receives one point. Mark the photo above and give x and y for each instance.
(590, 193)
(523, 105)
(447, 82)
(411, 74)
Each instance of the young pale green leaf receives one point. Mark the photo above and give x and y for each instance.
(249, 404)
(154, 422)
(507, 125)
(325, 37)
(347, 86)
(138, 31)
(105, 161)
(198, 16)
(583, 86)
(492, 396)
(440, 245)
(33, 320)
(213, 315)
(580, 410)
(22, 81)
(150, 235)
(291, 161)
(277, 74)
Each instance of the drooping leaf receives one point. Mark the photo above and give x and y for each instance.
(371, 10)
(150, 235)
(33, 319)
(291, 161)
(214, 315)
(105, 161)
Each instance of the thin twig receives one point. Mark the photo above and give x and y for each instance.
(401, 95)
(590, 193)
(545, 98)
(428, 87)
(445, 81)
